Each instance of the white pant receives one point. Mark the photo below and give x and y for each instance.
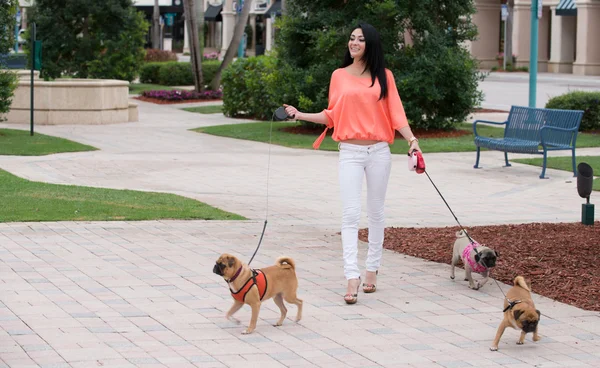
(355, 161)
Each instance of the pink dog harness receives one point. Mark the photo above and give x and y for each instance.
(476, 267)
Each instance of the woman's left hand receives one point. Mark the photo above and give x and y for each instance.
(414, 146)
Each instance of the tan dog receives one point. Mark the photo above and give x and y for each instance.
(521, 315)
(250, 286)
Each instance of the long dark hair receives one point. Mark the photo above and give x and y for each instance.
(373, 57)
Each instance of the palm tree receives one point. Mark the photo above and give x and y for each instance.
(192, 27)
(156, 26)
(238, 32)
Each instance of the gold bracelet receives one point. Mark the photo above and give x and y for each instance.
(413, 139)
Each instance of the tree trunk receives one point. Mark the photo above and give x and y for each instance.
(238, 32)
(156, 26)
(191, 24)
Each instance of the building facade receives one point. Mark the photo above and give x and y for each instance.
(566, 34)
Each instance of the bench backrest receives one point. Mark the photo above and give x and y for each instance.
(527, 122)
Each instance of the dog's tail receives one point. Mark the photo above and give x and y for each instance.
(286, 262)
(520, 281)
(461, 233)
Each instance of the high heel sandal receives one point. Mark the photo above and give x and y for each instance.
(370, 288)
(352, 298)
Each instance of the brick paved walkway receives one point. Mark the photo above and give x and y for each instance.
(142, 294)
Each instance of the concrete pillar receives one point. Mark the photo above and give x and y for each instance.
(186, 39)
(544, 40)
(269, 43)
(229, 18)
(522, 32)
(487, 45)
(522, 35)
(562, 49)
(253, 25)
(587, 61)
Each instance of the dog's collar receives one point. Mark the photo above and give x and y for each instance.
(236, 275)
(511, 304)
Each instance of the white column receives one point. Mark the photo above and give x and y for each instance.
(562, 49)
(487, 19)
(228, 24)
(522, 32)
(587, 61)
(186, 39)
(269, 43)
(543, 40)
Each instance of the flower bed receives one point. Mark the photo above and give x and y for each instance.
(178, 95)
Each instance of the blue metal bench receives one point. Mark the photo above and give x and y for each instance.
(533, 130)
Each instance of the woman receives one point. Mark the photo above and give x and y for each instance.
(364, 111)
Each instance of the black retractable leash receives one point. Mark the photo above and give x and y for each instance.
(510, 303)
(280, 115)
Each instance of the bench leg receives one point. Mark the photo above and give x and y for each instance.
(506, 160)
(573, 161)
(477, 159)
(543, 174)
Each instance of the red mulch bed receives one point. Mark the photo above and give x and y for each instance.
(559, 260)
(169, 102)
(482, 110)
(301, 129)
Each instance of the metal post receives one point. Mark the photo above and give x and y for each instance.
(533, 52)
(504, 51)
(17, 23)
(32, 69)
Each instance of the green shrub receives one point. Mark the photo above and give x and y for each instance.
(8, 84)
(149, 72)
(246, 88)
(209, 69)
(589, 102)
(8, 79)
(176, 74)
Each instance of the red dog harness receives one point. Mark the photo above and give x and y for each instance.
(259, 279)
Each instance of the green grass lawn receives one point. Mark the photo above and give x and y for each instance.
(138, 88)
(564, 163)
(24, 200)
(209, 109)
(20, 143)
(259, 132)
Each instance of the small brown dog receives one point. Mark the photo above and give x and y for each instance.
(519, 313)
(249, 286)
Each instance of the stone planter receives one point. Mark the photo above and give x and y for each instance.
(72, 101)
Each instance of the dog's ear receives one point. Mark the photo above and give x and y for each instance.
(539, 314)
(517, 314)
(497, 253)
(477, 257)
(230, 261)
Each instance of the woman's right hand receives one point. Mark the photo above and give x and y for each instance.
(291, 111)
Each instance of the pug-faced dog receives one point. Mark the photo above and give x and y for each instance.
(250, 286)
(475, 258)
(519, 313)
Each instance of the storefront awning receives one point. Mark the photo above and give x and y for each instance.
(274, 9)
(566, 7)
(213, 13)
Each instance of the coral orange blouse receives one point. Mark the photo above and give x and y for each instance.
(355, 111)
